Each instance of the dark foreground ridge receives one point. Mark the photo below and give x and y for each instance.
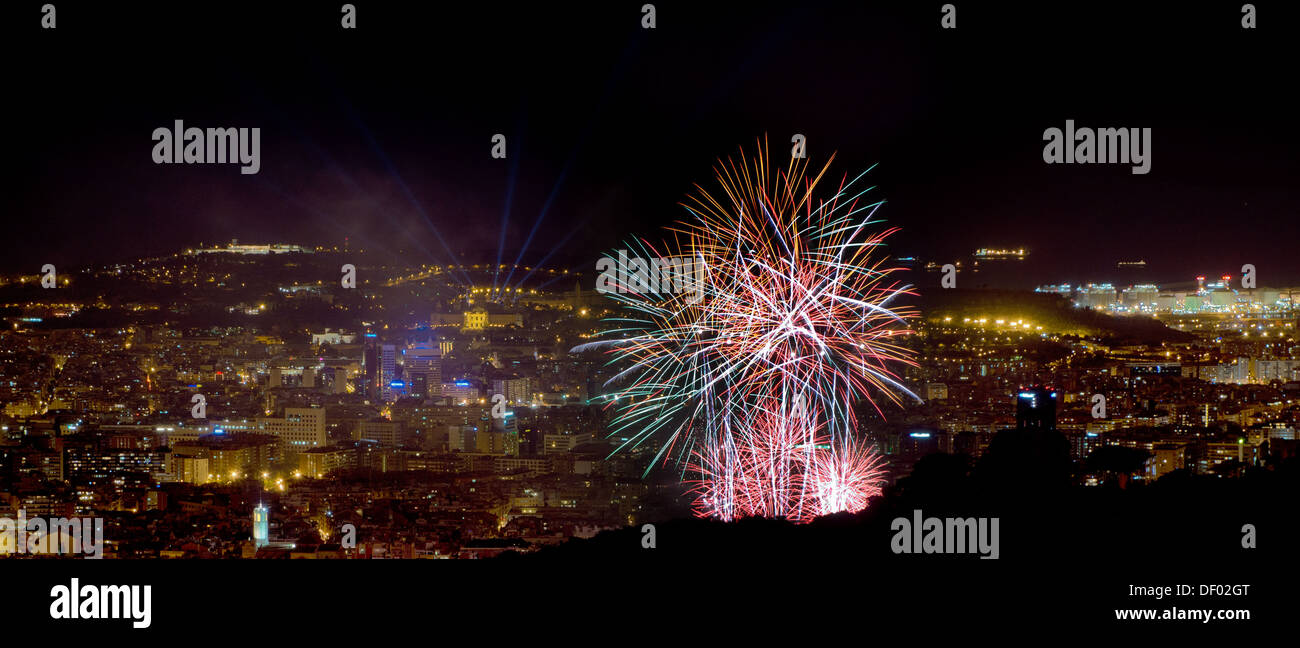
(1061, 547)
(1180, 517)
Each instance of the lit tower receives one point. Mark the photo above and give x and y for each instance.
(261, 525)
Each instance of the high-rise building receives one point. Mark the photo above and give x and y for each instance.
(936, 391)
(189, 469)
(460, 391)
(1140, 296)
(382, 431)
(371, 363)
(387, 370)
(516, 389)
(505, 435)
(302, 428)
(1036, 408)
(423, 371)
(1095, 296)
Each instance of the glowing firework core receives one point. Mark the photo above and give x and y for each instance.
(752, 388)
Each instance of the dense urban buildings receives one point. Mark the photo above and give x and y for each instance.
(438, 419)
(231, 405)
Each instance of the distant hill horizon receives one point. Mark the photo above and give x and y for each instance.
(1054, 313)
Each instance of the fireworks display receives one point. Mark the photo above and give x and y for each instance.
(783, 320)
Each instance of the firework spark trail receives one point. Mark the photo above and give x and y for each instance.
(752, 388)
(845, 477)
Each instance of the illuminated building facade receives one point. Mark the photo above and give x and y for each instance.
(261, 525)
(1036, 408)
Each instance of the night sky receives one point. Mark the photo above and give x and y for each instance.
(382, 134)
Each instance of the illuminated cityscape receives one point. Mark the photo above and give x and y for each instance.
(327, 407)
(543, 317)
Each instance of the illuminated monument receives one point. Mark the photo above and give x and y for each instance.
(261, 525)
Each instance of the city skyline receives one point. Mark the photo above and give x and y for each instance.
(880, 317)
